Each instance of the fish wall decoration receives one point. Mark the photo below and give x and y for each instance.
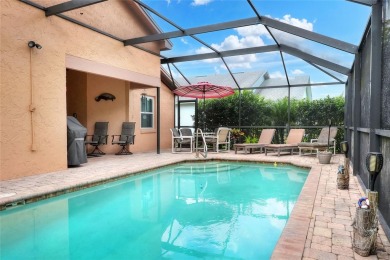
(105, 96)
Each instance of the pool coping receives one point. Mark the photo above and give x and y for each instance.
(23, 199)
(291, 244)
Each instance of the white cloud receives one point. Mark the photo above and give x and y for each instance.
(234, 42)
(277, 74)
(242, 61)
(252, 36)
(290, 39)
(168, 2)
(297, 72)
(202, 50)
(259, 30)
(253, 30)
(303, 23)
(200, 2)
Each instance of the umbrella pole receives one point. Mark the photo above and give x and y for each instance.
(204, 113)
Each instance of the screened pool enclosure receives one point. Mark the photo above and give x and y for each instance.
(276, 56)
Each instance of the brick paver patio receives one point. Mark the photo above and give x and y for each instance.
(319, 226)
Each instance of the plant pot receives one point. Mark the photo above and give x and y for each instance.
(324, 158)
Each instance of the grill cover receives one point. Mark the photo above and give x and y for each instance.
(77, 153)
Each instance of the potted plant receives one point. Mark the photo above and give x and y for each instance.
(236, 135)
(325, 156)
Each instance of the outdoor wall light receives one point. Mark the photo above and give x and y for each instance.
(33, 44)
(344, 148)
(143, 94)
(374, 164)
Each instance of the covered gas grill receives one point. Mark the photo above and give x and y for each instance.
(77, 153)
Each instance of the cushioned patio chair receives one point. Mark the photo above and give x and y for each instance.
(321, 143)
(265, 138)
(221, 137)
(178, 141)
(294, 137)
(98, 138)
(125, 139)
(185, 132)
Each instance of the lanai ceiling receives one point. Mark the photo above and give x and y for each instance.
(283, 44)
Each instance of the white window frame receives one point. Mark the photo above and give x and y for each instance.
(147, 113)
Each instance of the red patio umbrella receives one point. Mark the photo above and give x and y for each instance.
(204, 90)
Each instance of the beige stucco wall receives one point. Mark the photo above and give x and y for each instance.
(167, 115)
(146, 138)
(113, 112)
(76, 95)
(21, 23)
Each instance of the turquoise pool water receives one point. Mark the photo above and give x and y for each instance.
(213, 210)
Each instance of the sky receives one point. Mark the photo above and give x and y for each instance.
(339, 19)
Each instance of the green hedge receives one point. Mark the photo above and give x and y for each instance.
(257, 112)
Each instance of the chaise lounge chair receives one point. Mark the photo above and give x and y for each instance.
(98, 138)
(321, 143)
(294, 137)
(126, 138)
(265, 138)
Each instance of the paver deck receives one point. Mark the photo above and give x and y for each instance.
(319, 226)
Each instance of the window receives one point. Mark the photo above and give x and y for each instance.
(146, 112)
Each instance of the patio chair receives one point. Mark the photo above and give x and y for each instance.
(265, 138)
(125, 139)
(178, 141)
(221, 137)
(321, 143)
(294, 137)
(185, 132)
(98, 138)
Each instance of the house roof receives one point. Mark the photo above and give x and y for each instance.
(301, 92)
(244, 79)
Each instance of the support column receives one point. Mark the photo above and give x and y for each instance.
(158, 120)
(288, 110)
(356, 113)
(376, 74)
(196, 114)
(178, 113)
(347, 109)
(239, 109)
(175, 99)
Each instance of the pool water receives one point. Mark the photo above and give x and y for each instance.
(187, 211)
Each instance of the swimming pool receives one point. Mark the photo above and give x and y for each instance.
(185, 211)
